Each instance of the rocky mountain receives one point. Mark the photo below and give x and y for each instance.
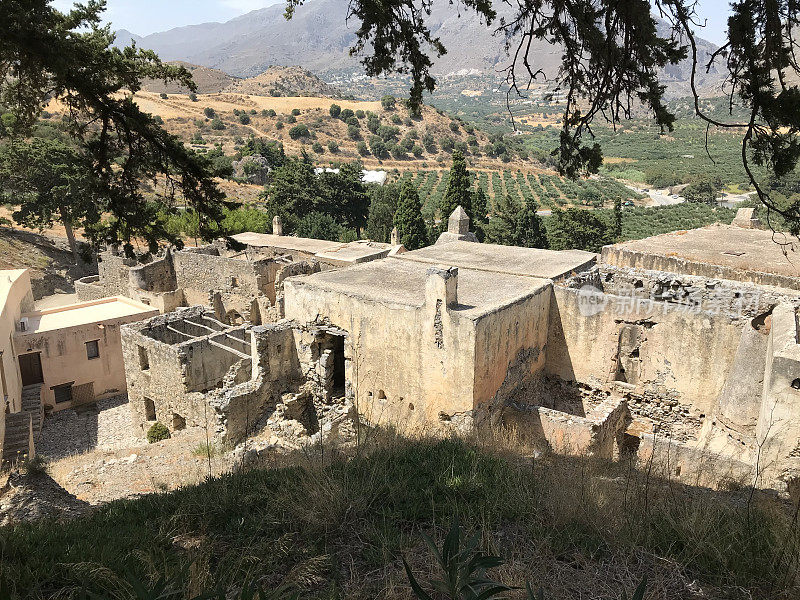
(319, 38)
(284, 81)
(208, 80)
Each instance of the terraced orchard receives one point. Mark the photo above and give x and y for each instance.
(547, 190)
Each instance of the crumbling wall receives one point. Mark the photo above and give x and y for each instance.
(113, 270)
(596, 434)
(778, 428)
(168, 372)
(697, 293)
(619, 256)
(306, 267)
(682, 356)
(155, 276)
(407, 364)
(510, 348)
(668, 458)
(239, 407)
(90, 288)
(154, 371)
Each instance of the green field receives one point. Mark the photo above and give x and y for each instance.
(547, 190)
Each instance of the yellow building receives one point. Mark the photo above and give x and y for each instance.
(56, 358)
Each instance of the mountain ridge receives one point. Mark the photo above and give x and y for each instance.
(319, 38)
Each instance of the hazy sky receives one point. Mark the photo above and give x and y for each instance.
(148, 16)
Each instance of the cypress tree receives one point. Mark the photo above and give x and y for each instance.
(408, 219)
(530, 231)
(458, 192)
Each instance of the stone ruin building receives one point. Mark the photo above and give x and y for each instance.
(243, 284)
(682, 347)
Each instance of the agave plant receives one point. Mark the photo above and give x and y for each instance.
(463, 568)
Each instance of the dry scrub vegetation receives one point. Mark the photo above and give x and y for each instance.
(329, 523)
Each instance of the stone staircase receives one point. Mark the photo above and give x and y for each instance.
(20, 426)
(18, 439)
(32, 404)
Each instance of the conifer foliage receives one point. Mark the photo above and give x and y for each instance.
(408, 219)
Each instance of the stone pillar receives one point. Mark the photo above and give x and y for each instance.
(458, 222)
(277, 225)
(395, 237)
(442, 284)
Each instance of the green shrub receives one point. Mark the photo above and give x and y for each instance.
(353, 132)
(157, 432)
(244, 119)
(193, 97)
(360, 114)
(317, 147)
(291, 119)
(333, 146)
(217, 124)
(163, 96)
(362, 148)
(388, 102)
(269, 113)
(209, 112)
(334, 110)
(298, 131)
(296, 112)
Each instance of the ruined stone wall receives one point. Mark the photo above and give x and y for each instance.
(621, 257)
(155, 276)
(657, 348)
(169, 370)
(595, 434)
(237, 280)
(113, 270)
(686, 463)
(275, 371)
(90, 288)
(406, 364)
(154, 371)
(690, 291)
(510, 348)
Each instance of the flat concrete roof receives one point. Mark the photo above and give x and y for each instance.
(512, 260)
(356, 252)
(403, 282)
(84, 313)
(735, 248)
(336, 252)
(287, 242)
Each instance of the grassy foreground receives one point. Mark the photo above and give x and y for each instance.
(336, 527)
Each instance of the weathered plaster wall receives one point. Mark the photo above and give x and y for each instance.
(19, 299)
(595, 434)
(407, 364)
(691, 291)
(621, 257)
(64, 359)
(666, 350)
(778, 428)
(510, 346)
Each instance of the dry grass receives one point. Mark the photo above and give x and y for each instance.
(335, 524)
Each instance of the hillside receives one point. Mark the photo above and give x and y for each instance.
(209, 81)
(432, 136)
(319, 38)
(328, 527)
(284, 81)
